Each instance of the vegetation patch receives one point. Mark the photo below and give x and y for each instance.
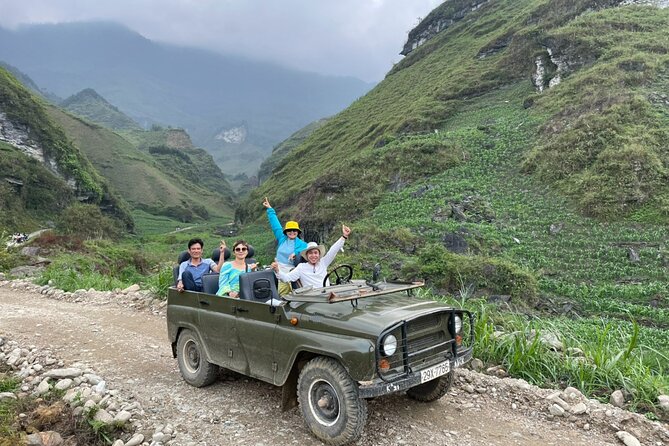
(392, 165)
(102, 265)
(87, 222)
(452, 273)
(29, 193)
(48, 413)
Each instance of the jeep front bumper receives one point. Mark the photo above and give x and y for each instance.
(379, 387)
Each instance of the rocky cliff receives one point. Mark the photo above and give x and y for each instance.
(27, 132)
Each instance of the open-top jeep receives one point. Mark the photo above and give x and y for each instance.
(330, 347)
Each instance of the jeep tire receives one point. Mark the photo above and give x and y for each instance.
(329, 402)
(432, 390)
(193, 365)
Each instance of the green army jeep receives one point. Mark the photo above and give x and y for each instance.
(329, 348)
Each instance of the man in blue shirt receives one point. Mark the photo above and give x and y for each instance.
(192, 270)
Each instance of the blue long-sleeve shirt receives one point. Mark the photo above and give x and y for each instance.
(286, 246)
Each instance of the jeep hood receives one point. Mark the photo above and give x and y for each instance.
(370, 317)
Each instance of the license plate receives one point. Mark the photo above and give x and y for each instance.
(435, 371)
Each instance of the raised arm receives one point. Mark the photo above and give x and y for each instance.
(221, 258)
(274, 222)
(334, 249)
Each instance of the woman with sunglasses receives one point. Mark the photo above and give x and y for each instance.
(228, 278)
(289, 245)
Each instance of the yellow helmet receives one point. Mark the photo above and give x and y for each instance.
(292, 225)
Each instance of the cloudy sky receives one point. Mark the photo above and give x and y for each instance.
(360, 38)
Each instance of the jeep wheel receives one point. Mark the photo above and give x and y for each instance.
(193, 366)
(329, 401)
(432, 390)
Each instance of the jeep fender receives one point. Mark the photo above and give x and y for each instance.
(356, 354)
(174, 337)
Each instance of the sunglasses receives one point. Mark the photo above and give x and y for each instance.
(292, 230)
(240, 249)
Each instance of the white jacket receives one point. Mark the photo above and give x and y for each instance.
(313, 275)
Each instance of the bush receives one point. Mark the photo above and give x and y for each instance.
(161, 280)
(51, 240)
(453, 272)
(6, 260)
(87, 221)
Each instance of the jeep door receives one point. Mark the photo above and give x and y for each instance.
(255, 327)
(217, 327)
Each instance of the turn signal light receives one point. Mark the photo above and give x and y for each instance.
(458, 340)
(293, 320)
(384, 365)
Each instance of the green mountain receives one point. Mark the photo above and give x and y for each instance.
(235, 108)
(282, 149)
(90, 105)
(42, 171)
(520, 147)
(587, 139)
(157, 171)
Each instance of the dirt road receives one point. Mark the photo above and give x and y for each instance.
(129, 349)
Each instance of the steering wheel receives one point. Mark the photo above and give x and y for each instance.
(343, 273)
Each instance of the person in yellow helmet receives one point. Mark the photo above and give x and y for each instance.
(289, 244)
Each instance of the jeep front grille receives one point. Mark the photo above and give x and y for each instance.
(421, 343)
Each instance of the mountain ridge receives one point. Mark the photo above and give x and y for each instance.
(157, 171)
(198, 90)
(92, 106)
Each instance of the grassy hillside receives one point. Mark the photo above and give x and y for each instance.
(151, 172)
(457, 169)
(89, 105)
(595, 140)
(38, 187)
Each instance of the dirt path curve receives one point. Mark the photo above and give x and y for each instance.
(129, 349)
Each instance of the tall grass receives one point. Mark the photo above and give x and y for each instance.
(69, 278)
(161, 280)
(8, 409)
(598, 355)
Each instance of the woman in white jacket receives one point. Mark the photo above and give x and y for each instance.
(314, 271)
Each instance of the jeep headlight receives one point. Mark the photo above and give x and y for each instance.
(458, 324)
(389, 345)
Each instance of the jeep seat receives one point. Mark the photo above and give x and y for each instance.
(210, 283)
(216, 254)
(258, 286)
(250, 254)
